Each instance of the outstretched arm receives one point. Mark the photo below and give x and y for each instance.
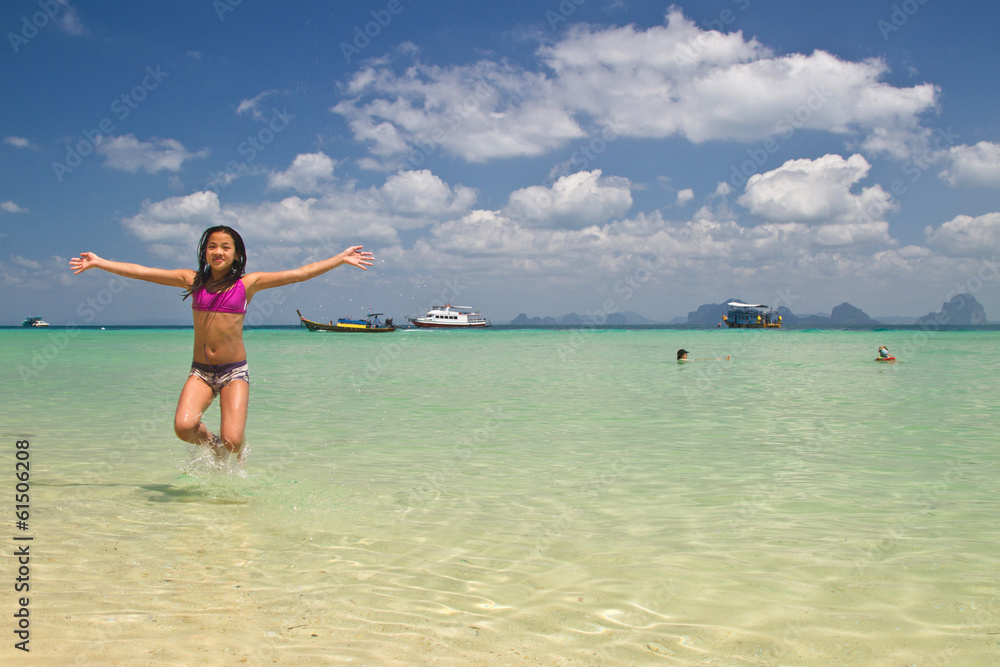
(175, 277)
(265, 280)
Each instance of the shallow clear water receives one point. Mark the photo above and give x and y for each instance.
(517, 497)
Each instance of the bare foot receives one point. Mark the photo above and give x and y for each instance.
(217, 447)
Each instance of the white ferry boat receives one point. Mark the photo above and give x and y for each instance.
(456, 317)
(34, 322)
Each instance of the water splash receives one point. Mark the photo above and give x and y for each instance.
(206, 462)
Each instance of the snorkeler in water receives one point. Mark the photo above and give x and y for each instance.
(220, 291)
(682, 355)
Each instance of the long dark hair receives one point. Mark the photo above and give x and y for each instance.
(204, 275)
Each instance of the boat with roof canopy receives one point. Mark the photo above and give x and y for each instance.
(751, 316)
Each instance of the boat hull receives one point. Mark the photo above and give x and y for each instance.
(440, 325)
(316, 326)
(450, 317)
(738, 325)
(339, 328)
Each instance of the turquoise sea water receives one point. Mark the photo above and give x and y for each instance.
(557, 497)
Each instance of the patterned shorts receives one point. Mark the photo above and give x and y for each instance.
(219, 376)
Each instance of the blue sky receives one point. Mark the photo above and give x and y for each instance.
(538, 157)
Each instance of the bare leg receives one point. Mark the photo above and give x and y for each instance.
(233, 402)
(194, 400)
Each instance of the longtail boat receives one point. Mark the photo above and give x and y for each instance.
(371, 324)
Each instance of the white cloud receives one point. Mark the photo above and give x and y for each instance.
(11, 207)
(973, 166)
(478, 112)
(36, 275)
(320, 225)
(423, 193)
(178, 220)
(818, 193)
(489, 241)
(799, 242)
(252, 105)
(23, 262)
(70, 22)
(500, 245)
(308, 173)
(966, 236)
(680, 80)
(574, 201)
(19, 142)
(339, 214)
(129, 154)
(684, 196)
(672, 80)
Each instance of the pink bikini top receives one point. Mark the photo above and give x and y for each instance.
(233, 300)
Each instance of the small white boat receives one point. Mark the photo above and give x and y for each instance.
(34, 322)
(450, 317)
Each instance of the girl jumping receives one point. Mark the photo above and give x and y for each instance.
(220, 291)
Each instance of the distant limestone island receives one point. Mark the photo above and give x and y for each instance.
(624, 318)
(844, 315)
(960, 310)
